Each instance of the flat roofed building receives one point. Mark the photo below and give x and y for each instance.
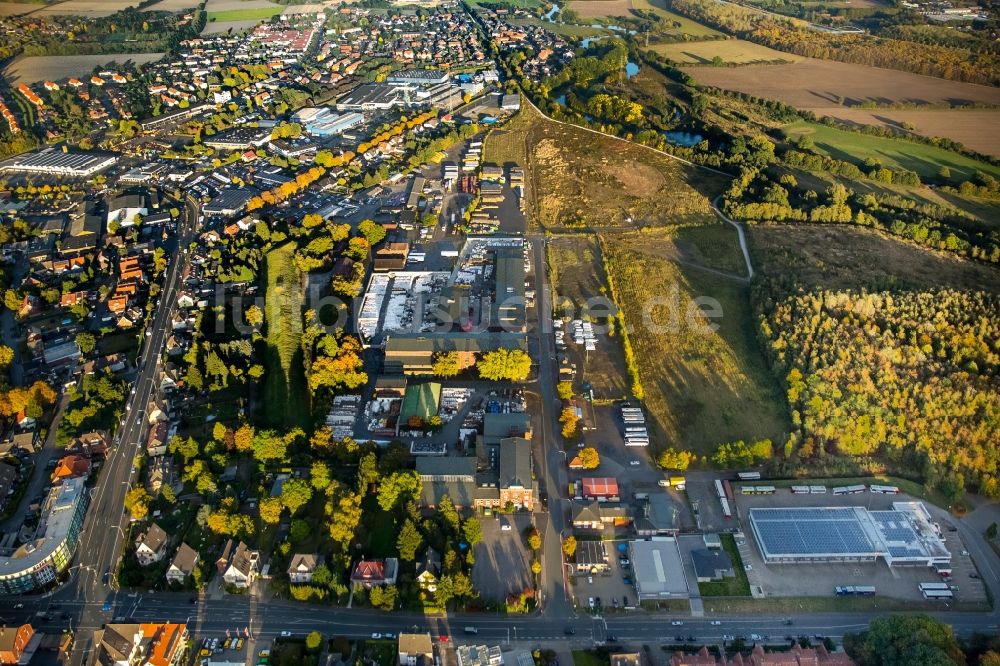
(14, 643)
(658, 568)
(903, 535)
(415, 650)
(419, 76)
(37, 563)
(58, 163)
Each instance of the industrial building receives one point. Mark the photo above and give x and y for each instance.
(58, 163)
(904, 535)
(658, 569)
(418, 76)
(323, 122)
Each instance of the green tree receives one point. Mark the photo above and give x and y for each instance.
(904, 640)
(219, 431)
(565, 390)
(137, 502)
(373, 232)
(674, 459)
(398, 487)
(409, 541)
(295, 493)
(991, 531)
(319, 475)
(504, 364)
(448, 511)
(86, 342)
(472, 531)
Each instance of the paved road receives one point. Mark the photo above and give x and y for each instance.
(106, 520)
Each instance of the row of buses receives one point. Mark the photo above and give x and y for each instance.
(936, 591)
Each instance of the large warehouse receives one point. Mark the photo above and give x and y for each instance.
(904, 535)
(58, 163)
(658, 568)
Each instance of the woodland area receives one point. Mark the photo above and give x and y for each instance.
(910, 378)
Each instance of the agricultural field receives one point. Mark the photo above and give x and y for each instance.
(40, 68)
(172, 5)
(732, 51)
(601, 8)
(702, 387)
(90, 8)
(963, 125)
(828, 257)
(285, 394)
(16, 8)
(214, 27)
(923, 159)
(564, 29)
(687, 26)
(224, 11)
(826, 87)
(581, 179)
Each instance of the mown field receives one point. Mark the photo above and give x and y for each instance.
(687, 26)
(924, 159)
(829, 257)
(702, 387)
(172, 5)
(39, 68)
(564, 29)
(601, 8)
(973, 128)
(91, 8)
(247, 14)
(732, 51)
(285, 394)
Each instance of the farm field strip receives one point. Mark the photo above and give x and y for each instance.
(92, 8)
(737, 51)
(687, 26)
(39, 68)
(601, 8)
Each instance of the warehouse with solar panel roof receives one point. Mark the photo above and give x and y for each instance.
(903, 535)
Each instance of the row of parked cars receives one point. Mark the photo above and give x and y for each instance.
(210, 646)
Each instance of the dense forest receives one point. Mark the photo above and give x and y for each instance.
(910, 378)
(794, 36)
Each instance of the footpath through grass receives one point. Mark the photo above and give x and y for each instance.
(285, 394)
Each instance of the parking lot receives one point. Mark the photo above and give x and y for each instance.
(503, 561)
(611, 590)
(820, 579)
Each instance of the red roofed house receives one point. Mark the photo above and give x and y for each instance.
(71, 467)
(373, 573)
(600, 488)
(13, 641)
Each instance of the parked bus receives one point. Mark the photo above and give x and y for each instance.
(938, 594)
(758, 490)
(728, 487)
(748, 476)
(719, 491)
(884, 490)
(817, 490)
(924, 587)
(726, 511)
(800, 490)
(852, 590)
(848, 490)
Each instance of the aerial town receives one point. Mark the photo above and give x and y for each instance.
(472, 332)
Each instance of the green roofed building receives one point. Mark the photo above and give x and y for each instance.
(420, 400)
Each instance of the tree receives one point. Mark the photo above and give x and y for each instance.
(569, 546)
(373, 232)
(446, 364)
(472, 531)
(565, 390)
(674, 459)
(295, 493)
(313, 640)
(534, 540)
(219, 431)
(137, 502)
(504, 364)
(589, 458)
(536, 566)
(409, 541)
(319, 475)
(991, 531)
(270, 510)
(902, 640)
(383, 597)
(568, 419)
(448, 511)
(243, 438)
(254, 316)
(86, 342)
(399, 487)
(6, 356)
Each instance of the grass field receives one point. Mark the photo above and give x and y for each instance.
(921, 158)
(248, 14)
(580, 179)
(285, 394)
(829, 257)
(702, 387)
(733, 51)
(589, 658)
(89, 8)
(564, 29)
(963, 125)
(687, 26)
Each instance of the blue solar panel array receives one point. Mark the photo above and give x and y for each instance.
(811, 532)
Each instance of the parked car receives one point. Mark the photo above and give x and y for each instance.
(286, 634)
(634, 463)
(716, 623)
(676, 623)
(376, 636)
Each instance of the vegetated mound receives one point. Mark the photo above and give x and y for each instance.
(838, 257)
(909, 377)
